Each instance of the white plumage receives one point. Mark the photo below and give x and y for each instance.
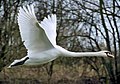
(40, 39)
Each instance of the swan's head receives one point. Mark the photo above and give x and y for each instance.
(106, 54)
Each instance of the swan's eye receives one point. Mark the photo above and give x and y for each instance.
(108, 52)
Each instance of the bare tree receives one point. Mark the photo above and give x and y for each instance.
(8, 31)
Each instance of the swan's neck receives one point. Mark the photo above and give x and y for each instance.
(81, 54)
(67, 53)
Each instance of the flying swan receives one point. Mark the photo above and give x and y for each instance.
(40, 40)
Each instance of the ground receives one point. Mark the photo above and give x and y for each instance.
(38, 75)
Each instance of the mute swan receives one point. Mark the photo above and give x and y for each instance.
(40, 40)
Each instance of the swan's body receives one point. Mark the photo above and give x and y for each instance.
(40, 40)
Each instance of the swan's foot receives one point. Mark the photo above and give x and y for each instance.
(18, 62)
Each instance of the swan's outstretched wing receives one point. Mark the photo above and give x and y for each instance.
(49, 25)
(34, 37)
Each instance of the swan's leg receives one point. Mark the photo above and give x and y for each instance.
(19, 62)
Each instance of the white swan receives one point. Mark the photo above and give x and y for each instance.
(40, 40)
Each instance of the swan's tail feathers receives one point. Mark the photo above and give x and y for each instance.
(18, 62)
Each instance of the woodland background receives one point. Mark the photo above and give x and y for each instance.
(82, 25)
